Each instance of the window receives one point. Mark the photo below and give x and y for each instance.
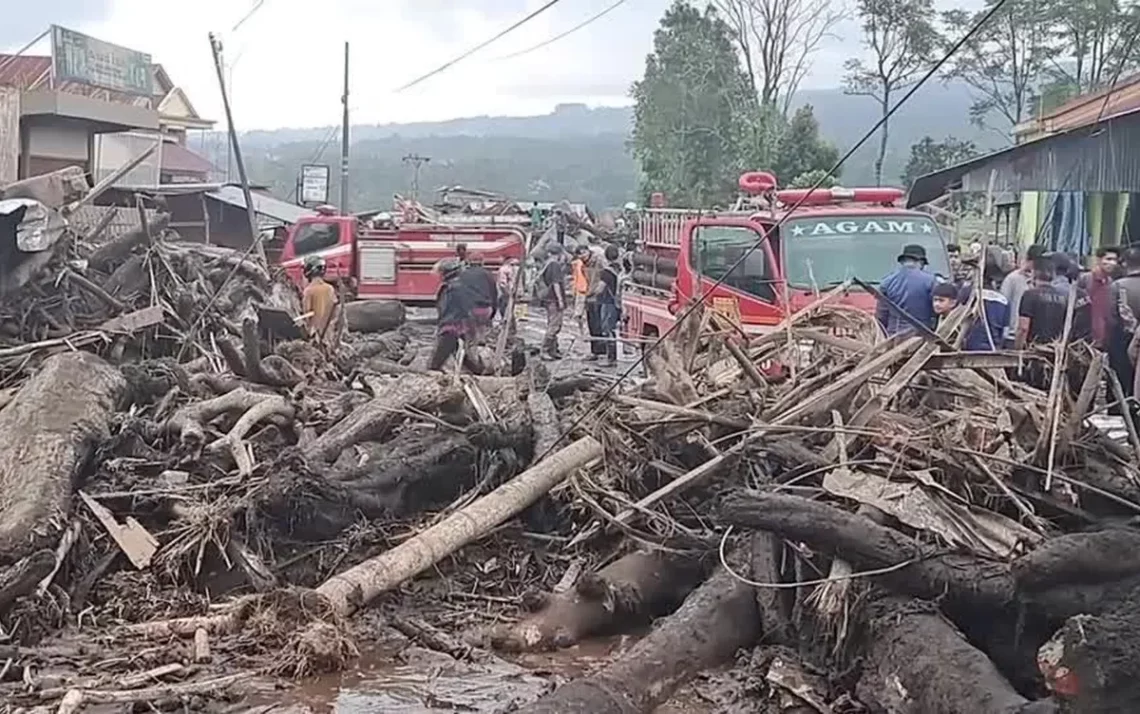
(823, 252)
(311, 237)
(716, 249)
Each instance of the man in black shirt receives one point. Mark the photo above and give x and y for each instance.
(1042, 319)
(454, 304)
(1043, 308)
(552, 296)
(480, 283)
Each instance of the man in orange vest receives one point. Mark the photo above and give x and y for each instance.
(580, 283)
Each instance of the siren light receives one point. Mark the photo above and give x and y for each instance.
(838, 194)
(755, 183)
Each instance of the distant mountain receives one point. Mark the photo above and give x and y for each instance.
(575, 152)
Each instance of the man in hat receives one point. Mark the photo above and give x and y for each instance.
(550, 292)
(319, 302)
(910, 288)
(454, 305)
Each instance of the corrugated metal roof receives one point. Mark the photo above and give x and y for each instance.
(29, 72)
(177, 159)
(1100, 157)
(1122, 97)
(262, 204)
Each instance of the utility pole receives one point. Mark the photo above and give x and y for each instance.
(344, 140)
(216, 48)
(416, 161)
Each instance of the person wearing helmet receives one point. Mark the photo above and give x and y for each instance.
(318, 301)
(454, 304)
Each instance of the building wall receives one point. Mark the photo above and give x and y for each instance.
(9, 135)
(115, 150)
(61, 140)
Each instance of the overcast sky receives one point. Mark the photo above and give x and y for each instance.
(287, 56)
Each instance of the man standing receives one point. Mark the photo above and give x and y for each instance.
(1015, 285)
(318, 302)
(480, 285)
(454, 305)
(594, 289)
(608, 300)
(909, 287)
(552, 296)
(1097, 283)
(580, 284)
(508, 273)
(1124, 297)
(988, 328)
(1041, 318)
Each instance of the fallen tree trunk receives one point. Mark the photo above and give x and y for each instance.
(51, 428)
(360, 584)
(918, 570)
(374, 315)
(639, 585)
(1092, 662)
(715, 621)
(1080, 558)
(371, 420)
(22, 578)
(915, 662)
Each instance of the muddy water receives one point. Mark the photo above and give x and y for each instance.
(419, 681)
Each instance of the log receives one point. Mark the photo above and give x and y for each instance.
(544, 417)
(1092, 662)
(118, 249)
(360, 584)
(623, 594)
(715, 621)
(374, 315)
(915, 662)
(964, 580)
(1080, 558)
(22, 578)
(51, 429)
(371, 420)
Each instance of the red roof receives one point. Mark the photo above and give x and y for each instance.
(177, 159)
(1085, 109)
(34, 72)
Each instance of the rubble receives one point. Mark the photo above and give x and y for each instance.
(198, 498)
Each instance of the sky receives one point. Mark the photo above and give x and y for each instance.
(285, 60)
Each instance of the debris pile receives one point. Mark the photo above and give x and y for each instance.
(192, 495)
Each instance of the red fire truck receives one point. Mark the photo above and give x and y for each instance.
(396, 261)
(835, 234)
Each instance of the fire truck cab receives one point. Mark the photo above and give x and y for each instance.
(394, 260)
(834, 234)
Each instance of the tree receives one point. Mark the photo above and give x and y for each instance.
(902, 41)
(928, 156)
(1094, 42)
(695, 109)
(777, 40)
(1004, 63)
(801, 150)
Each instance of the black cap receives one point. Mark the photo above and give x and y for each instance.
(913, 252)
(945, 290)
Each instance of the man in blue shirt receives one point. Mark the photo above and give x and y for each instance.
(911, 288)
(988, 328)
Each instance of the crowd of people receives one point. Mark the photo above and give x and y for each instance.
(1027, 305)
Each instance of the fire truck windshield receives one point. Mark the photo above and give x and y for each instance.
(823, 251)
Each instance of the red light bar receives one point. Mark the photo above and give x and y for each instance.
(755, 183)
(822, 196)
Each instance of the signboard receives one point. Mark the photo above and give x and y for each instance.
(728, 307)
(75, 57)
(879, 225)
(314, 183)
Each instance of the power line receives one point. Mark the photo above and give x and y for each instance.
(252, 10)
(688, 310)
(481, 45)
(571, 31)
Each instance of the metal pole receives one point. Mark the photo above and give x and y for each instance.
(344, 140)
(216, 48)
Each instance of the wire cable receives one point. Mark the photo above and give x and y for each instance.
(559, 36)
(252, 11)
(684, 314)
(450, 63)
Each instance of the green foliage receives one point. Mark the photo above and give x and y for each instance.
(693, 110)
(928, 156)
(901, 40)
(809, 179)
(698, 123)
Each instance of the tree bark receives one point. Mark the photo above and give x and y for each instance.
(715, 621)
(641, 584)
(374, 315)
(915, 662)
(965, 581)
(50, 431)
(360, 584)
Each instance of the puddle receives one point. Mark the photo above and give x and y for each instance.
(420, 681)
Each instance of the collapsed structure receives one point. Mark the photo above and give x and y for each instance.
(891, 522)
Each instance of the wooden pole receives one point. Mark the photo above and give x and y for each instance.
(251, 214)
